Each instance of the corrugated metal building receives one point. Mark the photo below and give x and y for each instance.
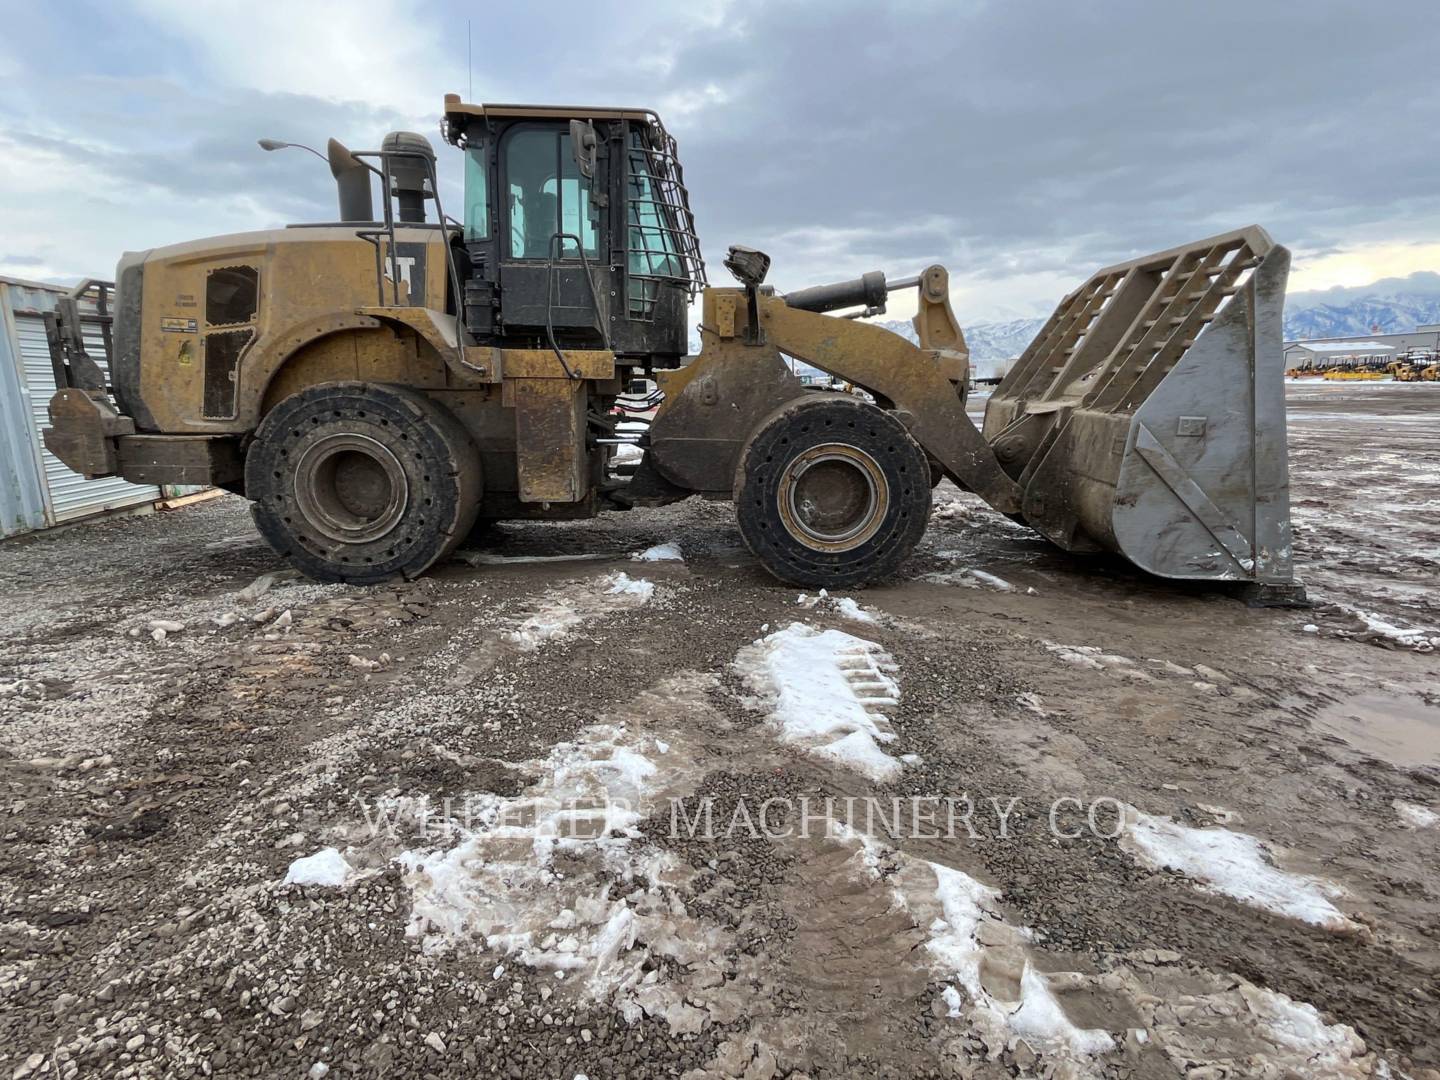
(1422, 343)
(36, 489)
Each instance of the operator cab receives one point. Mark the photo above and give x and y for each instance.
(577, 225)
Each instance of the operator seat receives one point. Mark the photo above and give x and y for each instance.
(540, 226)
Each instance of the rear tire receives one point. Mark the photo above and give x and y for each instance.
(832, 492)
(362, 482)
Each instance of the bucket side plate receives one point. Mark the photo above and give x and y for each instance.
(1204, 489)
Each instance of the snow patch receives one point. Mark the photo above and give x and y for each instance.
(605, 913)
(1173, 668)
(563, 609)
(1373, 628)
(824, 690)
(1327, 1049)
(1041, 1019)
(844, 606)
(984, 958)
(625, 585)
(1031, 701)
(499, 885)
(953, 1001)
(669, 552)
(326, 867)
(1088, 656)
(1233, 864)
(968, 579)
(850, 609)
(973, 945)
(966, 576)
(998, 993)
(991, 580)
(1415, 816)
(953, 940)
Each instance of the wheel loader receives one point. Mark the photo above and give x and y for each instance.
(379, 385)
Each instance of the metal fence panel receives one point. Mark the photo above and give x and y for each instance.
(67, 495)
(22, 495)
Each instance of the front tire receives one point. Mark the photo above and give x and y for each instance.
(832, 492)
(362, 482)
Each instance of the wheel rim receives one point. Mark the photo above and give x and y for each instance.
(351, 488)
(833, 497)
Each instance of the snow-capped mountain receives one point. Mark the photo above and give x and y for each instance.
(992, 344)
(987, 340)
(1390, 306)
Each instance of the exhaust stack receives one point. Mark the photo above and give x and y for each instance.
(352, 182)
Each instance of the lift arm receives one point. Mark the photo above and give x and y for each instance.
(924, 385)
(713, 404)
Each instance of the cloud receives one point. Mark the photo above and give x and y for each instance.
(91, 195)
(389, 54)
(687, 103)
(1027, 128)
(1022, 145)
(1364, 264)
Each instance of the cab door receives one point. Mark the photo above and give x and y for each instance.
(549, 218)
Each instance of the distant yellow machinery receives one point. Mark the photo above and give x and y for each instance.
(1409, 371)
(1354, 375)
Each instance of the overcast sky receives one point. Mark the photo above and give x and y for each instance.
(1021, 144)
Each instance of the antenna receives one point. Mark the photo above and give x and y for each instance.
(469, 63)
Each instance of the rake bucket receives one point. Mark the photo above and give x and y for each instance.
(1147, 417)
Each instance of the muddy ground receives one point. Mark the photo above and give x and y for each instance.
(158, 787)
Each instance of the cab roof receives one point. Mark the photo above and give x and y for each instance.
(454, 107)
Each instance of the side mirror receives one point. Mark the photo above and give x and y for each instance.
(584, 143)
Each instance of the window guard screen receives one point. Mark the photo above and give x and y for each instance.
(661, 245)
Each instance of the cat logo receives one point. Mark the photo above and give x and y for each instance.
(410, 268)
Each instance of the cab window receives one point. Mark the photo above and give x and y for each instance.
(547, 195)
(477, 194)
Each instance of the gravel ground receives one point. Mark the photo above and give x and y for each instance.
(493, 760)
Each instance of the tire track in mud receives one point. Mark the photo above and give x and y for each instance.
(1087, 897)
(830, 972)
(842, 915)
(271, 707)
(1086, 910)
(858, 990)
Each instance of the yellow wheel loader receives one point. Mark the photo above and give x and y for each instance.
(379, 384)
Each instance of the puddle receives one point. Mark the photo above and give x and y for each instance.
(1402, 731)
